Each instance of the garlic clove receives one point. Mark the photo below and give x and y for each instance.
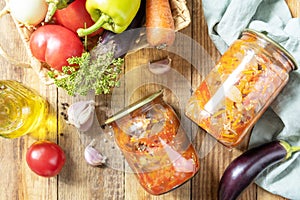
(160, 66)
(92, 156)
(81, 114)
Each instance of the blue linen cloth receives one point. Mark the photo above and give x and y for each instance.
(226, 20)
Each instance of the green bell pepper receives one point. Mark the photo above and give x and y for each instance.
(113, 15)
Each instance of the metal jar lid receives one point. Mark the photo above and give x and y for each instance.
(133, 107)
(281, 48)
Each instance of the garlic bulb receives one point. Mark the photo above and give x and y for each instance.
(92, 156)
(81, 114)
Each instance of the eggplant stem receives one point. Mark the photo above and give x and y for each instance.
(295, 149)
(103, 19)
(289, 149)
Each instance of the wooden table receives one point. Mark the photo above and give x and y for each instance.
(80, 181)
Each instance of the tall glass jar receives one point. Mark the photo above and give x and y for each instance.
(154, 144)
(21, 109)
(240, 87)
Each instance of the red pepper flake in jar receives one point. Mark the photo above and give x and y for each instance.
(241, 86)
(154, 144)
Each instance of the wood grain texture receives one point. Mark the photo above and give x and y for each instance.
(78, 180)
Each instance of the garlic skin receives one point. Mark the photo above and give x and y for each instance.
(92, 156)
(160, 66)
(81, 114)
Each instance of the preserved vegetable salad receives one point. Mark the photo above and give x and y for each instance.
(240, 87)
(155, 145)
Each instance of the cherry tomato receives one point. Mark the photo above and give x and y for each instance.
(45, 158)
(54, 44)
(75, 16)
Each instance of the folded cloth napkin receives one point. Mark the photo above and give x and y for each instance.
(226, 20)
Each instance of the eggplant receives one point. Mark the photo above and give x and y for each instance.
(126, 39)
(243, 170)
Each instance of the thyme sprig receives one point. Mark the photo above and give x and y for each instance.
(98, 71)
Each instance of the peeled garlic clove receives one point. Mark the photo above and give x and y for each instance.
(160, 66)
(92, 156)
(81, 114)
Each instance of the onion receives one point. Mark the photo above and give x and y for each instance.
(28, 12)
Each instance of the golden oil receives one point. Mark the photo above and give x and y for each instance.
(22, 110)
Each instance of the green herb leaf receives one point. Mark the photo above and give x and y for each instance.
(98, 71)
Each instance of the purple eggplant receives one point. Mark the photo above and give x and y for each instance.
(243, 170)
(124, 41)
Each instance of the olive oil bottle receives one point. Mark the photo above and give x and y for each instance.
(22, 110)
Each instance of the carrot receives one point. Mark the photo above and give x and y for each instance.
(159, 23)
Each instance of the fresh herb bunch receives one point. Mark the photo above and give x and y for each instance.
(98, 71)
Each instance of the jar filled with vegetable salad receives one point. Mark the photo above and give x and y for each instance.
(154, 144)
(241, 86)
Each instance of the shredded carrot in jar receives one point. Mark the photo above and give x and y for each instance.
(235, 91)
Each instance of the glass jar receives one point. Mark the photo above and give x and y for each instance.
(240, 87)
(154, 144)
(21, 109)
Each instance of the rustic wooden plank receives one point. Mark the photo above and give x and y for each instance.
(113, 175)
(145, 83)
(294, 6)
(78, 180)
(77, 176)
(18, 181)
(24, 184)
(213, 156)
(139, 92)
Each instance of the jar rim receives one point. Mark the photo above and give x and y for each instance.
(133, 107)
(270, 40)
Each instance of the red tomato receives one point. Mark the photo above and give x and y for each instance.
(54, 44)
(75, 16)
(45, 158)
